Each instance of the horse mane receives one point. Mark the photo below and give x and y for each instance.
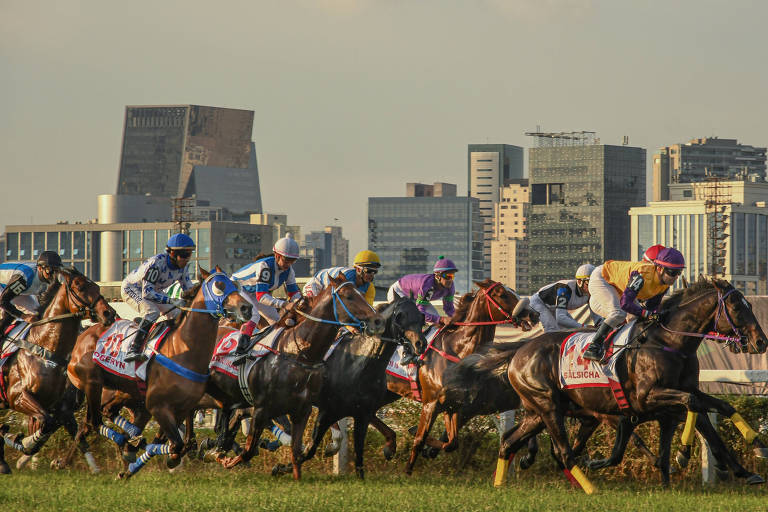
(188, 296)
(263, 255)
(699, 287)
(462, 308)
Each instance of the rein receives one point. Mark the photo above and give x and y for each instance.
(336, 300)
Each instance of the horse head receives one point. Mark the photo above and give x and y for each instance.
(503, 303)
(84, 297)
(404, 320)
(219, 296)
(348, 307)
(738, 318)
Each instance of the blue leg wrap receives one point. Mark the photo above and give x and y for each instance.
(8, 439)
(151, 451)
(110, 434)
(128, 427)
(280, 435)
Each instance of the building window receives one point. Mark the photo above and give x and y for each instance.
(11, 246)
(65, 245)
(25, 246)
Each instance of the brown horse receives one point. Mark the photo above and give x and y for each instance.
(474, 324)
(658, 377)
(34, 380)
(288, 379)
(176, 377)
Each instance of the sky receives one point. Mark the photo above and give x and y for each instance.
(354, 98)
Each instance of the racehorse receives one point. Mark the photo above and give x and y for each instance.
(658, 377)
(177, 375)
(289, 377)
(355, 383)
(33, 383)
(473, 324)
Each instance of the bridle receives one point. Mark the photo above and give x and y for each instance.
(508, 319)
(82, 305)
(337, 300)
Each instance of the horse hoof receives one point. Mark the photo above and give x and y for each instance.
(433, 452)
(331, 449)
(172, 462)
(682, 460)
(281, 469)
(761, 453)
(413, 430)
(597, 464)
(57, 464)
(526, 462)
(388, 453)
(722, 474)
(123, 475)
(360, 473)
(23, 461)
(4, 469)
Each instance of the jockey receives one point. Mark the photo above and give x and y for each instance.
(553, 301)
(22, 283)
(366, 264)
(616, 287)
(143, 287)
(258, 279)
(652, 253)
(425, 287)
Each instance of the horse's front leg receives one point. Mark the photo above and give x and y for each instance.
(711, 403)
(427, 419)
(45, 424)
(390, 444)
(169, 425)
(298, 424)
(624, 431)
(667, 427)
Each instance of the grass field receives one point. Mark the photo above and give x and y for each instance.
(209, 488)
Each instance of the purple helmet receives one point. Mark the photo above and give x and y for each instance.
(444, 265)
(669, 257)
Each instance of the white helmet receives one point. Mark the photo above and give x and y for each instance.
(287, 247)
(584, 271)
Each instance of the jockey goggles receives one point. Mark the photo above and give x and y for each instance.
(447, 275)
(673, 272)
(367, 270)
(183, 253)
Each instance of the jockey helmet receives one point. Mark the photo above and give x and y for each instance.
(443, 264)
(652, 252)
(669, 257)
(180, 241)
(287, 247)
(367, 258)
(584, 271)
(49, 259)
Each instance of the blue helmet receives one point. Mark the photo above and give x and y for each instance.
(180, 241)
(444, 265)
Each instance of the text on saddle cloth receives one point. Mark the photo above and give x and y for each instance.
(112, 347)
(222, 360)
(577, 372)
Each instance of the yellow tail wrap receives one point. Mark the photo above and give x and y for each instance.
(501, 472)
(583, 480)
(689, 429)
(745, 429)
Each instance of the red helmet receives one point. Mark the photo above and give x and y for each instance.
(652, 253)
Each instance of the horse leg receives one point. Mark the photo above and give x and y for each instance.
(173, 448)
(299, 421)
(723, 456)
(361, 429)
(587, 427)
(427, 419)
(25, 403)
(5, 469)
(623, 433)
(709, 402)
(255, 428)
(667, 426)
(390, 445)
(512, 440)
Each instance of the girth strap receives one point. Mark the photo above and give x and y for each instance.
(40, 352)
(242, 380)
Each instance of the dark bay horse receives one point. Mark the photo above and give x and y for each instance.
(34, 380)
(176, 377)
(289, 378)
(356, 380)
(659, 377)
(474, 324)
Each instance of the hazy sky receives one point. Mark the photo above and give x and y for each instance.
(353, 98)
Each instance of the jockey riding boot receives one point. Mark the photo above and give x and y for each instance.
(137, 343)
(241, 351)
(595, 350)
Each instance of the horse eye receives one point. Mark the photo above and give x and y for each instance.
(219, 287)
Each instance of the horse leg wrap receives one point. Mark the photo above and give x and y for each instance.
(745, 429)
(582, 479)
(690, 429)
(10, 440)
(34, 441)
(501, 470)
(151, 451)
(89, 458)
(128, 427)
(281, 436)
(110, 434)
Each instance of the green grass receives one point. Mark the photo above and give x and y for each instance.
(212, 488)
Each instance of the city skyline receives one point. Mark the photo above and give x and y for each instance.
(359, 97)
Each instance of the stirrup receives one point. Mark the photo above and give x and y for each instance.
(594, 355)
(135, 356)
(238, 359)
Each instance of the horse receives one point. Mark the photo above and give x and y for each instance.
(176, 376)
(659, 377)
(288, 379)
(359, 365)
(34, 381)
(473, 325)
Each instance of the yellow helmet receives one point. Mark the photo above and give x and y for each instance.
(367, 258)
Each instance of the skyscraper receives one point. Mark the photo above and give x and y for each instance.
(581, 192)
(489, 167)
(167, 150)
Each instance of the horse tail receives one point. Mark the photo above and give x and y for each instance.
(465, 382)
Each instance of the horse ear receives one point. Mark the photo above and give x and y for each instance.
(338, 279)
(203, 274)
(481, 284)
(218, 269)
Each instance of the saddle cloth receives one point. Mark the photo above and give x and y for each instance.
(222, 360)
(577, 372)
(112, 347)
(16, 331)
(410, 372)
